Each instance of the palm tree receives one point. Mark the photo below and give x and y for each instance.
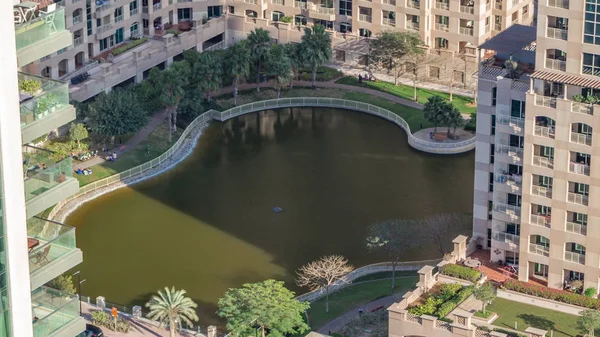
(169, 84)
(279, 66)
(456, 119)
(259, 42)
(434, 110)
(315, 49)
(208, 71)
(172, 307)
(292, 51)
(237, 64)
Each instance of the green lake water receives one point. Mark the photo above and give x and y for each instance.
(208, 225)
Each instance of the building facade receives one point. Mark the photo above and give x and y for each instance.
(535, 144)
(450, 28)
(34, 250)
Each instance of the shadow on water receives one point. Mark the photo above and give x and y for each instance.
(207, 225)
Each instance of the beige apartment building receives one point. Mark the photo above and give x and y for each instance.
(537, 196)
(450, 27)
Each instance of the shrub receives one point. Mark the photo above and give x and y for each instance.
(131, 45)
(552, 294)
(444, 309)
(472, 123)
(480, 313)
(286, 19)
(448, 290)
(427, 308)
(63, 283)
(509, 333)
(104, 319)
(173, 31)
(30, 86)
(590, 292)
(460, 272)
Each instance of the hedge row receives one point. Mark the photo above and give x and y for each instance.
(460, 272)
(442, 303)
(552, 294)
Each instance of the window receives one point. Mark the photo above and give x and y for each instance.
(517, 109)
(575, 275)
(491, 182)
(513, 228)
(214, 11)
(547, 151)
(494, 95)
(591, 29)
(231, 9)
(300, 20)
(133, 5)
(540, 270)
(591, 64)
(492, 149)
(184, 14)
(276, 16)
(583, 189)
(580, 219)
(346, 7)
(133, 30)
(345, 27)
(490, 207)
(489, 237)
(493, 130)
(459, 76)
(88, 17)
(119, 36)
(324, 23)
(118, 14)
(434, 72)
(515, 169)
(516, 141)
(441, 43)
(577, 248)
(513, 199)
(364, 32)
(145, 23)
(107, 42)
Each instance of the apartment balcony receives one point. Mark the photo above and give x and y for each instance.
(581, 138)
(416, 4)
(466, 31)
(389, 22)
(442, 5)
(442, 27)
(547, 101)
(322, 13)
(53, 250)
(577, 198)
(575, 257)
(514, 154)
(498, 5)
(55, 313)
(506, 241)
(540, 220)
(76, 20)
(583, 108)
(543, 131)
(542, 191)
(559, 4)
(157, 6)
(133, 12)
(539, 249)
(252, 2)
(515, 125)
(506, 212)
(78, 41)
(467, 9)
(509, 183)
(365, 18)
(45, 110)
(300, 4)
(41, 36)
(576, 228)
(579, 168)
(412, 26)
(497, 27)
(103, 31)
(556, 33)
(47, 181)
(543, 162)
(389, 2)
(104, 8)
(556, 64)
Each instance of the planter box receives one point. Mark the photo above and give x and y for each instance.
(540, 302)
(449, 279)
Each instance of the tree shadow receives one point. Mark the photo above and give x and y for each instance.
(539, 322)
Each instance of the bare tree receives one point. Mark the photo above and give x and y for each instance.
(324, 273)
(394, 237)
(441, 228)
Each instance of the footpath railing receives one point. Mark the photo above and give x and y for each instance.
(202, 120)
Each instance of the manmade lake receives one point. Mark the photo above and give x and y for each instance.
(208, 224)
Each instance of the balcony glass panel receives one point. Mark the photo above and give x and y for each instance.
(576, 228)
(52, 310)
(540, 220)
(42, 171)
(40, 28)
(51, 96)
(49, 241)
(575, 257)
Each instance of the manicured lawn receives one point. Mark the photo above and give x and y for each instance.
(323, 74)
(385, 275)
(158, 143)
(352, 297)
(525, 315)
(406, 91)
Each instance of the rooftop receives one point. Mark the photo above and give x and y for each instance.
(513, 39)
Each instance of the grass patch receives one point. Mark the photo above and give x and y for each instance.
(351, 297)
(485, 315)
(385, 275)
(464, 104)
(324, 74)
(509, 312)
(157, 140)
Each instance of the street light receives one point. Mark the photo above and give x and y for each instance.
(79, 282)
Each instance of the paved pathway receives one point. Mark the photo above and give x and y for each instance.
(462, 135)
(157, 118)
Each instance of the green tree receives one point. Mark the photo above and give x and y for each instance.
(393, 237)
(208, 72)
(485, 293)
(237, 64)
(259, 43)
(279, 67)
(316, 49)
(414, 57)
(116, 113)
(190, 107)
(267, 305)
(172, 307)
(77, 133)
(435, 110)
(590, 320)
(388, 49)
(63, 283)
(455, 118)
(292, 50)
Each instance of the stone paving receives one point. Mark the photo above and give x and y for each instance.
(462, 135)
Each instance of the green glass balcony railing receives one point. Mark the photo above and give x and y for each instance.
(39, 103)
(52, 310)
(48, 241)
(43, 171)
(40, 28)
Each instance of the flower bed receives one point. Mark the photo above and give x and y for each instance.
(552, 294)
(460, 272)
(442, 302)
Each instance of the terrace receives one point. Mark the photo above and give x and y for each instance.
(55, 313)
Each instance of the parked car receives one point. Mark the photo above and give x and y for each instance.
(91, 331)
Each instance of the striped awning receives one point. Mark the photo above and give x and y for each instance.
(560, 77)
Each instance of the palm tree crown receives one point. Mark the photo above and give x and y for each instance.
(259, 42)
(172, 306)
(316, 48)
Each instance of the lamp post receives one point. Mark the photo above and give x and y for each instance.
(79, 282)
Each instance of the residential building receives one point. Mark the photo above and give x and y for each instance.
(536, 192)
(450, 28)
(33, 250)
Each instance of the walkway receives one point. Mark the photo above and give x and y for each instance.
(139, 137)
(462, 135)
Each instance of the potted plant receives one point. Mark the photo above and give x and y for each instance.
(31, 87)
(53, 102)
(61, 177)
(41, 107)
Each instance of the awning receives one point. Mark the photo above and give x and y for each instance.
(566, 79)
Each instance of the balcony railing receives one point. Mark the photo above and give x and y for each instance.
(488, 6)
(506, 237)
(157, 6)
(539, 249)
(105, 28)
(540, 220)
(52, 97)
(581, 138)
(546, 101)
(364, 18)
(574, 257)
(576, 228)
(412, 25)
(416, 4)
(467, 9)
(511, 210)
(76, 19)
(556, 33)
(389, 22)
(516, 153)
(389, 2)
(55, 241)
(104, 7)
(543, 131)
(466, 31)
(542, 191)
(78, 41)
(43, 172)
(514, 181)
(442, 26)
(278, 2)
(543, 162)
(40, 28)
(52, 310)
(254, 2)
(556, 64)
(300, 4)
(497, 27)
(118, 18)
(442, 5)
(324, 10)
(579, 168)
(583, 108)
(559, 3)
(133, 12)
(577, 198)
